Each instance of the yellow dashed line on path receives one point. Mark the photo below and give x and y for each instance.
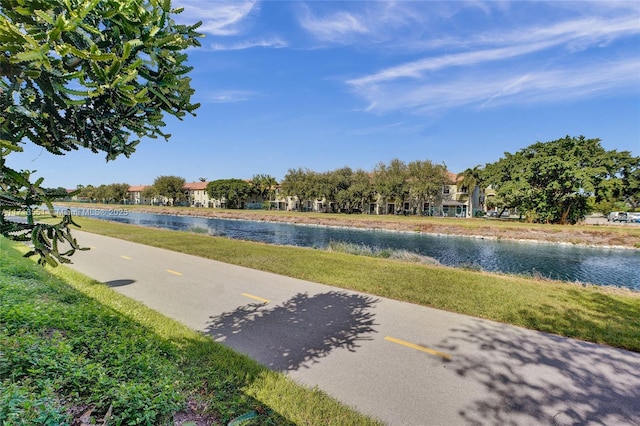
(174, 272)
(418, 347)
(256, 297)
(125, 257)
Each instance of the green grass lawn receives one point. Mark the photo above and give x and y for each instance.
(70, 346)
(596, 314)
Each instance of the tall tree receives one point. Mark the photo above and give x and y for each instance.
(299, 183)
(334, 187)
(170, 187)
(264, 185)
(233, 191)
(632, 186)
(551, 181)
(149, 193)
(83, 73)
(119, 192)
(360, 191)
(471, 179)
(101, 194)
(620, 181)
(87, 192)
(391, 181)
(426, 181)
(505, 178)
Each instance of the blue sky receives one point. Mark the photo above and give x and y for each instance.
(322, 85)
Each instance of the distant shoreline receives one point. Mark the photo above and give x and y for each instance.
(596, 235)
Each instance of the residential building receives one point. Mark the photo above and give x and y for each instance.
(135, 195)
(197, 195)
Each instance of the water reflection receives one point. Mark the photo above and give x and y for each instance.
(601, 266)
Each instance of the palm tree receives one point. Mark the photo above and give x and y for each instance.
(264, 185)
(271, 183)
(471, 179)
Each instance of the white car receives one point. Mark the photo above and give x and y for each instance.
(618, 217)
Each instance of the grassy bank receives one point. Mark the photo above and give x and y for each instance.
(590, 313)
(71, 347)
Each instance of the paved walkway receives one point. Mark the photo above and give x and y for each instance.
(401, 363)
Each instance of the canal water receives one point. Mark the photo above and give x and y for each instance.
(594, 265)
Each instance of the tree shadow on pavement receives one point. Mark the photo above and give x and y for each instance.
(119, 283)
(537, 378)
(298, 332)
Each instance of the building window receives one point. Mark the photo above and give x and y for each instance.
(445, 189)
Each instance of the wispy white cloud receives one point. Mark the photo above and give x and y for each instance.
(274, 42)
(417, 69)
(369, 25)
(227, 96)
(492, 88)
(333, 27)
(220, 17)
(584, 32)
(572, 35)
(562, 60)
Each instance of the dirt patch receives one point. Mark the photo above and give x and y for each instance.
(195, 414)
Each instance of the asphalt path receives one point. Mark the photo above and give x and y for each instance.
(400, 363)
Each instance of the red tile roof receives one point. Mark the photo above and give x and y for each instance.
(452, 177)
(195, 186)
(137, 188)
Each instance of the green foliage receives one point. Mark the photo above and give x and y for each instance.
(170, 187)
(58, 193)
(19, 405)
(61, 347)
(90, 74)
(299, 183)
(233, 191)
(625, 186)
(333, 187)
(18, 194)
(550, 182)
(360, 191)
(264, 185)
(149, 192)
(118, 192)
(391, 180)
(83, 73)
(112, 193)
(348, 190)
(426, 181)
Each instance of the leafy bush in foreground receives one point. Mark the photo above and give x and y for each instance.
(61, 351)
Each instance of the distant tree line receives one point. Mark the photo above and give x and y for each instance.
(548, 182)
(350, 190)
(112, 193)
